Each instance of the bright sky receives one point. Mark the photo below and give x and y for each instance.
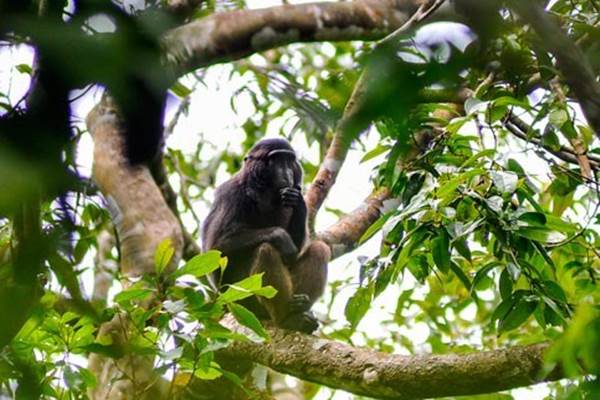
(211, 117)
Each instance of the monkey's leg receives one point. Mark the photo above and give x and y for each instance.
(268, 261)
(281, 308)
(309, 274)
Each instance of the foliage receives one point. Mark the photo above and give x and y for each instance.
(495, 240)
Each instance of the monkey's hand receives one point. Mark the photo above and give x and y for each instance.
(291, 196)
(285, 245)
(299, 303)
(301, 322)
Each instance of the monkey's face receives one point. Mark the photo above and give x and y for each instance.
(272, 164)
(281, 170)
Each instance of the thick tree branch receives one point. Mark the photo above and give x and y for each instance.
(342, 237)
(142, 220)
(388, 376)
(229, 36)
(139, 211)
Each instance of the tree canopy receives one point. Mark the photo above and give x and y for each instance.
(470, 268)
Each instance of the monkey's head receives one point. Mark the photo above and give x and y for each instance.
(272, 163)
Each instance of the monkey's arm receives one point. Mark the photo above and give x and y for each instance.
(223, 231)
(247, 238)
(292, 197)
(298, 228)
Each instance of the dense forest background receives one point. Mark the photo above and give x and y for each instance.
(459, 141)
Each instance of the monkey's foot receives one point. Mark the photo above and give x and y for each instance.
(301, 322)
(299, 303)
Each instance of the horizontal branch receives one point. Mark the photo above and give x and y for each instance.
(389, 376)
(232, 35)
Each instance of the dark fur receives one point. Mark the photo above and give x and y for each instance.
(258, 220)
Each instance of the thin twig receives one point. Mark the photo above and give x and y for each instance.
(578, 144)
(519, 128)
(424, 11)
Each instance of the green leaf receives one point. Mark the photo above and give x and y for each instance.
(24, 68)
(554, 291)
(483, 272)
(533, 218)
(200, 265)
(440, 249)
(517, 315)
(461, 275)
(550, 139)
(411, 242)
(414, 185)
(540, 249)
(419, 267)
(503, 308)
(88, 378)
(495, 113)
(514, 166)
(248, 319)
(558, 224)
(456, 123)
(162, 256)
(378, 150)
(132, 293)
(267, 291)
(462, 247)
(475, 157)
(179, 89)
(558, 117)
(534, 233)
(211, 373)
(358, 305)
(374, 228)
(505, 284)
(510, 101)
(245, 288)
(450, 186)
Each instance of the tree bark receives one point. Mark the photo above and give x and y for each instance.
(143, 220)
(232, 35)
(389, 376)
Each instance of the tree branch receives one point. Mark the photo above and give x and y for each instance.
(232, 35)
(520, 129)
(389, 376)
(343, 236)
(143, 220)
(138, 209)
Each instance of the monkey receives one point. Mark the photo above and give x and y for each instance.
(259, 221)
